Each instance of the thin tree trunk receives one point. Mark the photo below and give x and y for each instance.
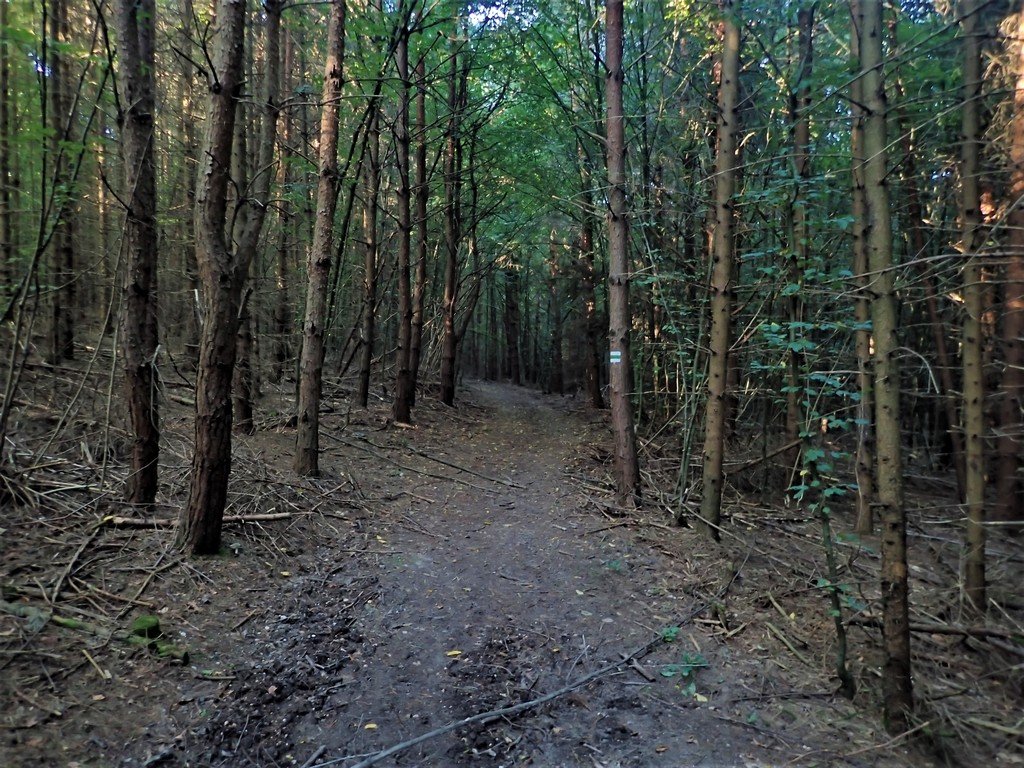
(591, 319)
(419, 291)
(136, 30)
(200, 527)
(286, 224)
(6, 180)
(318, 265)
(452, 232)
(223, 269)
(627, 467)
(556, 379)
(62, 336)
(511, 316)
(799, 246)
(403, 355)
(896, 680)
(1010, 446)
(368, 329)
(865, 460)
(721, 273)
(971, 346)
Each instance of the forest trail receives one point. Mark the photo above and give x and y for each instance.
(435, 573)
(476, 594)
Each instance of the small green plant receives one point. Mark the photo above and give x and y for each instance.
(686, 670)
(669, 634)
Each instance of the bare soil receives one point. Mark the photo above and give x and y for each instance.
(458, 568)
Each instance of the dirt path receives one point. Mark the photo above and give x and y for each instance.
(478, 594)
(432, 574)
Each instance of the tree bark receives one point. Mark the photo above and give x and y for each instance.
(403, 355)
(512, 330)
(556, 379)
(136, 25)
(419, 291)
(896, 680)
(452, 228)
(318, 264)
(223, 270)
(6, 213)
(1009, 506)
(627, 467)
(286, 231)
(799, 234)
(591, 318)
(722, 268)
(865, 459)
(367, 329)
(200, 527)
(62, 333)
(971, 346)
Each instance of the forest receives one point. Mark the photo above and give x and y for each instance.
(709, 310)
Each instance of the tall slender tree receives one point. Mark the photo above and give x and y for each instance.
(62, 124)
(422, 194)
(620, 369)
(1009, 504)
(457, 78)
(974, 300)
(318, 264)
(223, 265)
(6, 213)
(403, 353)
(897, 690)
(136, 32)
(865, 458)
(723, 234)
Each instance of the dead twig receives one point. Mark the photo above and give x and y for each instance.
(516, 709)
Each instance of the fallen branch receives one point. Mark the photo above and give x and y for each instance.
(71, 563)
(626, 659)
(117, 521)
(982, 633)
(754, 462)
(406, 467)
(787, 642)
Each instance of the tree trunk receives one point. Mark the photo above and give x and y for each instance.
(403, 355)
(556, 379)
(865, 460)
(286, 227)
(6, 213)
(799, 234)
(1009, 504)
(223, 269)
(512, 330)
(318, 265)
(419, 292)
(452, 231)
(896, 680)
(721, 273)
(591, 318)
(136, 25)
(627, 468)
(200, 527)
(971, 346)
(368, 329)
(62, 334)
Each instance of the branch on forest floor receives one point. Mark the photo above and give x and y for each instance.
(406, 467)
(625, 660)
(117, 521)
(981, 633)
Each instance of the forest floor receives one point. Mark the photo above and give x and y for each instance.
(467, 567)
